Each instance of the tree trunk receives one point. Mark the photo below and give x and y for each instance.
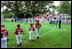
(16, 9)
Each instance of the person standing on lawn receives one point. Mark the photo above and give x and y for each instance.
(4, 37)
(37, 26)
(59, 20)
(31, 31)
(18, 33)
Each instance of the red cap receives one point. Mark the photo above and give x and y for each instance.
(31, 24)
(2, 25)
(18, 25)
(37, 20)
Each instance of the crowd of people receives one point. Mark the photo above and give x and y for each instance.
(51, 18)
(42, 18)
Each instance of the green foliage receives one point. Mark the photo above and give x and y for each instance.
(26, 7)
(65, 7)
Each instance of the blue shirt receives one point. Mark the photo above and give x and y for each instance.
(59, 19)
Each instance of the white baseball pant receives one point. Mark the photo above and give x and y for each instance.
(19, 39)
(38, 32)
(4, 42)
(31, 35)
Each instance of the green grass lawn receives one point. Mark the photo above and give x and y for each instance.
(51, 37)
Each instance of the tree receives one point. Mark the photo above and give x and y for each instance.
(14, 7)
(37, 7)
(27, 7)
(65, 7)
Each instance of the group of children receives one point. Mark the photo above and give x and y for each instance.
(18, 32)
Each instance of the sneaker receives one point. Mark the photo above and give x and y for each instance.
(7, 40)
(37, 37)
(20, 44)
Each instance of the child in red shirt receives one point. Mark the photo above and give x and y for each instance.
(18, 33)
(31, 29)
(37, 26)
(4, 36)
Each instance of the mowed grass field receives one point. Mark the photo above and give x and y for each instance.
(51, 37)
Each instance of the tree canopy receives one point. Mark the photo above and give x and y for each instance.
(33, 8)
(65, 7)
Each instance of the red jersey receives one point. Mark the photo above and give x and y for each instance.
(38, 25)
(4, 33)
(31, 29)
(18, 31)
